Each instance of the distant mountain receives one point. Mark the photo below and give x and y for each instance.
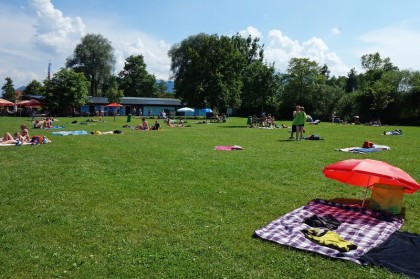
(22, 88)
(169, 85)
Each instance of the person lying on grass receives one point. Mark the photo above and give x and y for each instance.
(394, 132)
(17, 138)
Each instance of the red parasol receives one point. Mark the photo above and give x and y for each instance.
(367, 172)
(6, 103)
(29, 103)
(114, 105)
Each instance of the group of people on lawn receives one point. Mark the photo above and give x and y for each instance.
(144, 126)
(22, 137)
(47, 123)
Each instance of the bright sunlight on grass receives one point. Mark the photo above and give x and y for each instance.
(165, 204)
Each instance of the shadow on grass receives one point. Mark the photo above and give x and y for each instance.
(233, 126)
(287, 140)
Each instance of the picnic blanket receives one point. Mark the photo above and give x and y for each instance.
(360, 226)
(70, 133)
(362, 150)
(228, 147)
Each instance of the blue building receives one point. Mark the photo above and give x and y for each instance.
(136, 106)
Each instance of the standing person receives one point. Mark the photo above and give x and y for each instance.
(140, 112)
(134, 111)
(295, 112)
(150, 112)
(300, 123)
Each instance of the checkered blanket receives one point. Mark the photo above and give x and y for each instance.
(361, 226)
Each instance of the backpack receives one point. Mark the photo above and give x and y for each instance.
(314, 137)
(368, 144)
(37, 139)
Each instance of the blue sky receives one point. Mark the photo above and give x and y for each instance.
(336, 33)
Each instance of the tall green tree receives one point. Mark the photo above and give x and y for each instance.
(161, 88)
(112, 90)
(207, 70)
(302, 83)
(351, 81)
(65, 91)
(261, 87)
(34, 88)
(385, 92)
(249, 47)
(135, 81)
(94, 57)
(410, 101)
(8, 90)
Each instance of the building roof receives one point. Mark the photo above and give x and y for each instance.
(138, 101)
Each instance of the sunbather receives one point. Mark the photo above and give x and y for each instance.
(16, 138)
(394, 132)
(143, 126)
(156, 126)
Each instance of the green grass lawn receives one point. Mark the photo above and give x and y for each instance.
(164, 204)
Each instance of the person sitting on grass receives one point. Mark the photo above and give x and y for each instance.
(156, 126)
(37, 124)
(47, 123)
(143, 126)
(181, 123)
(168, 122)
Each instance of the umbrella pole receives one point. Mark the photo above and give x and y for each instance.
(364, 198)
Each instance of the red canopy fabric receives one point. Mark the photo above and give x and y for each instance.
(114, 105)
(366, 172)
(6, 103)
(29, 103)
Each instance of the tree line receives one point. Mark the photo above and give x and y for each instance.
(224, 72)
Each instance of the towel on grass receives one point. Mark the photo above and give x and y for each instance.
(70, 133)
(13, 144)
(228, 147)
(363, 227)
(399, 253)
(362, 150)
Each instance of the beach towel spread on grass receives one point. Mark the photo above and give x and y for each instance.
(70, 133)
(363, 150)
(228, 147)
(399, 253)
(14, 144)
(361, 227)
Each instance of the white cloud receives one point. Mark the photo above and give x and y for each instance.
(335, 31)
(281, 49)
(398, 43)
(55, 32)
(250, 31)
(155, 53)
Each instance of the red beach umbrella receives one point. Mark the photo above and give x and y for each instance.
(114, 105)
(367, 172)
(6, 103)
